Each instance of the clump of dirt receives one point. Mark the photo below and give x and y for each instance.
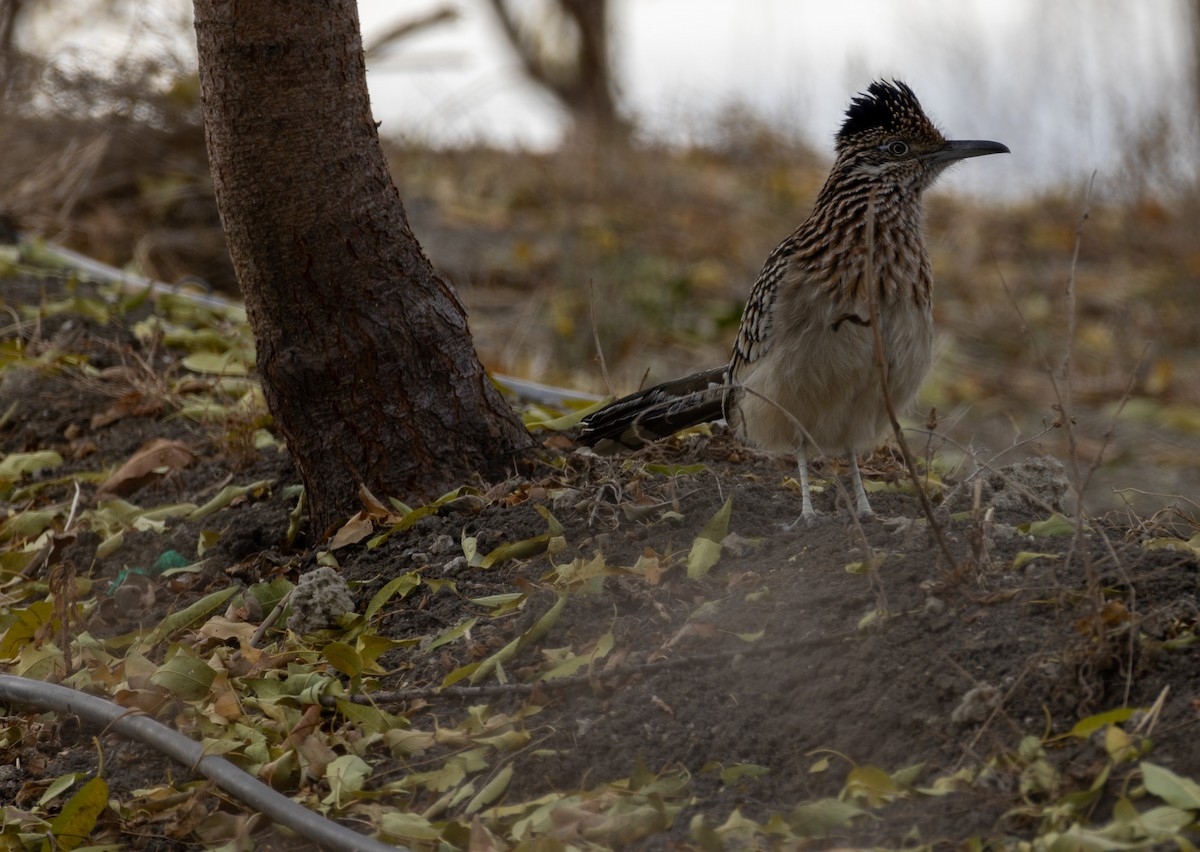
(770, 666)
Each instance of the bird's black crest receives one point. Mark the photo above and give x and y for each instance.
(884, 106)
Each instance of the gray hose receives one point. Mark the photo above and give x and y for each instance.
(249, 791)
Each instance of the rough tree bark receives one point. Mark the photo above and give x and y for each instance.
(363, 348)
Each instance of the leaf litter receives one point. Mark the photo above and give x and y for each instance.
(599, 652)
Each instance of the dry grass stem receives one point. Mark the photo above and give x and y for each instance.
(935, 526)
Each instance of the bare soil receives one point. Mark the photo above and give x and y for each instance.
(805, 650)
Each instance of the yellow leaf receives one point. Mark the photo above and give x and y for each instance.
(16, 465)
(184, 676)
(540, 628)
(77, 819)
(871, 785)
(1055, 525)
(1024, 557)
(343, 658)
(491, 791)
(1084, 728)
(706, 549)
(231, 363)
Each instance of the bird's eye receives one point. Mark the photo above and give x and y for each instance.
(897, 148)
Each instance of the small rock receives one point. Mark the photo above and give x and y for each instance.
(455, 565)
(566, 499)
(318, 600)
(1043, 478)
(736, 545)
(976, 706)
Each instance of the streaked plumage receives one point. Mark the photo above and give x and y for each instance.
(805, 348)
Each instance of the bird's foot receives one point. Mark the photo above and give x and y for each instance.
(807, 520)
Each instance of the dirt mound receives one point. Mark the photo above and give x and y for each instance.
(623, 650)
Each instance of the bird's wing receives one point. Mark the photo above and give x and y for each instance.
(754, 334)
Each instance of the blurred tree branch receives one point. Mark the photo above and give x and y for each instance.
(10, 11)
(1194, 22)
(406, 28)
(570, 60)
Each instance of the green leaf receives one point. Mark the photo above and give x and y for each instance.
(198, 611)
(59, 786)
(1055, 525)
(1192, 545)
(540, 628)
(1163, 823)
(1024, 557)
(574, 662)
(184, 676)
(27, 525)
(738, 771)
(871, 785)
(908, 776)
(865, 567)
(226, 496)
(1084, 728)
(27, 623)
(470, 549)
(75, 822)
(1175, 790)
(453, 634)
(345, 776)
(409, 826)
(231, 363)
(556, 528)
(401, 586)
(460, 673)
(523, 549)
(491, 791)
(706, 549)
(817, 819)
(343, 658)
(501, 601)
(17, 465)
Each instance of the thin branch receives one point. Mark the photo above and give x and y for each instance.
(881, 365)
(596, 339)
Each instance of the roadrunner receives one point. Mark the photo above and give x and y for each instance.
(803, 376)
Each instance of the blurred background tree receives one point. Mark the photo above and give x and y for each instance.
(563, 46)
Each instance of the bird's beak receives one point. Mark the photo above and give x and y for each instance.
(961, 149)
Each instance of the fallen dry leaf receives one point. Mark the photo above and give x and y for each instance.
(152, 461)
(132, 404)
(353, 531)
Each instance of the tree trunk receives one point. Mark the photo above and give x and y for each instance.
(363, 348)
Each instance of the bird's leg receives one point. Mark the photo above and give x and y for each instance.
(807, 514)
(860, 495)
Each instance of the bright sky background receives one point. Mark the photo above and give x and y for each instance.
(1063, 83)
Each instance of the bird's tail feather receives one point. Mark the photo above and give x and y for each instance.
(659, 411)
